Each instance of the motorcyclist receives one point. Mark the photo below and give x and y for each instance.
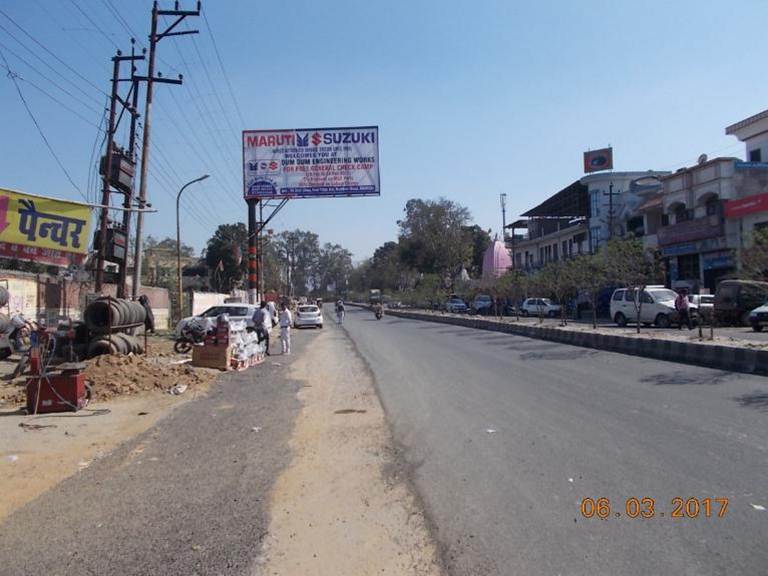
(378, 311)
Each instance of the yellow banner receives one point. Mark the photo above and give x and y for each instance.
(36, 225)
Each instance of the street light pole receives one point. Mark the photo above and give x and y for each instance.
(179, 293)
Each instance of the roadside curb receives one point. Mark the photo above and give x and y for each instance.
(728, 358)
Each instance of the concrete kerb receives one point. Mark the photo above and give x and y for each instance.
(729, 358)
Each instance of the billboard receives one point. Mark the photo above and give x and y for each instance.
(311, 162)
(42, 229)
(596, 160)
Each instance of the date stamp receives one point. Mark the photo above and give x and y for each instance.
(646, 508)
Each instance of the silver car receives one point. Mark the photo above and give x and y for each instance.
(308, 315)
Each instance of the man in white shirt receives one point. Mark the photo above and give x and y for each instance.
(262, 322)
(286, 320)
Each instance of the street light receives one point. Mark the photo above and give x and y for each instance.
(178, 242)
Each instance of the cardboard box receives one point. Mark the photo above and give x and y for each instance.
(212, 356)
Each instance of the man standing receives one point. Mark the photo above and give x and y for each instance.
(286, 320)
(272, 312)
(683, 311)
(262, 322)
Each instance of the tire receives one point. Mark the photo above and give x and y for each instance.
(182, 346)
(757, 327)
(620, 319)
(662, 321)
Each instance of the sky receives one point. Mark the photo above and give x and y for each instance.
(472, 99)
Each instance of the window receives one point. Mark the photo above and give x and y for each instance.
(645, 298)
(629, 296)
(554, 252)
(755, 155)
(594, 199)
(618, 295)
(594, 238)
(682, 214)
(713, 207)
(665, 219)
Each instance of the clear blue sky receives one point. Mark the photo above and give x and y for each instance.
(472, 98)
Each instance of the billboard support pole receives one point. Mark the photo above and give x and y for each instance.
(253, 271)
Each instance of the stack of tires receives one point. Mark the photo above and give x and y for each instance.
(107, 320)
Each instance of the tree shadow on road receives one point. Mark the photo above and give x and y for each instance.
(558, 355)
(757, 400)
(685, 378)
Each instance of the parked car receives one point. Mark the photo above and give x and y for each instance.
(539, 306)
(308, 315)
(735, 300)
(758, 318)
(456, 305)
(482, 304)
(705, 304)
(658, 307)
(236, 311)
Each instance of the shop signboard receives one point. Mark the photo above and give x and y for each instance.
(311, 163)
(42, 229)
(744, 206)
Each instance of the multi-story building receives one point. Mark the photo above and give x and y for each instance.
(556, 229)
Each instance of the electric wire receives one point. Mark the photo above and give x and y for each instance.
(52, 54)
(223, 69)
(94, 24)
(13, 78)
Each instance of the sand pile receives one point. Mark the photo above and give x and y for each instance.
(111, 376)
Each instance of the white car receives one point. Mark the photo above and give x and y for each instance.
(237, 312)
(705, 304)
(658, 306)
(539, 306)
(308, 315)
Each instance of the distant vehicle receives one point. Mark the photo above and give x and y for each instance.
(735, 300)
(308, 315)
(235, 311)
(374, 296)
(482, 304)
(705, 303)
(539, 306)
(658, 307)
(758, 318)
(456, 305)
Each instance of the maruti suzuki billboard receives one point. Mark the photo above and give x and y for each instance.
(311, 162)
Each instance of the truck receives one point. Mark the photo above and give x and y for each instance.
(374, 296)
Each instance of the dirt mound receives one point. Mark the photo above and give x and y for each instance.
(111, 376)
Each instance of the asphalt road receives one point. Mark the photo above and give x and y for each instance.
(188, 497)
(505, 436)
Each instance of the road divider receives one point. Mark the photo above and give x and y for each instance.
(731, 358)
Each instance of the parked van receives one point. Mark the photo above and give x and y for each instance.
(658, 306)
(735, 299)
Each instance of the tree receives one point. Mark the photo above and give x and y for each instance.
(431, 237)
(589, 275)
(557, 279)
(299, 254)
(753, 260)
(334, 268)
(512, 285)
(224, 256)
(628, 264)
(478, 240)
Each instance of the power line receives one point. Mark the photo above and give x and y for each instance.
(48, 79)
(12, 76)
(94, 24)
(223, 70)
(16, 76)
(53, 54)
(55, 71)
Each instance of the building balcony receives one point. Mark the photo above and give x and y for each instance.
(691, 230)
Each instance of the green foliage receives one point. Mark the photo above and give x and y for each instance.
(226, 256)
(478, 241)
(753, 260)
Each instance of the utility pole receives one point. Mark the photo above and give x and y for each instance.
(253, 251)
(107, 171)
(503, 198)
(610, 195)
(150, 79)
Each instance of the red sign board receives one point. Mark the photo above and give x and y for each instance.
(748, 205)
(596, 160)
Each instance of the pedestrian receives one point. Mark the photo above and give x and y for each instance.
(683, 310)
(272, 312)
(262, 322)
(340, 312)
(286, 320)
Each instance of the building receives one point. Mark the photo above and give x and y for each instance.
(749, 208)
(556, 229)
(694, 239)
(614, 199)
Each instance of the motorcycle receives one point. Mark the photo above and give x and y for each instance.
(378, 313)
(192, 334)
